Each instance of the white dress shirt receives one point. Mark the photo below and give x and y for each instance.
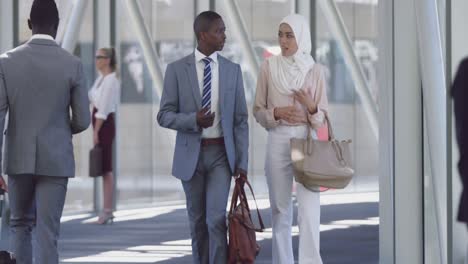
(216, 130)
(42, 36)
(105, 95)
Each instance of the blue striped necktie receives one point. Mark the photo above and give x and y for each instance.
(206, 95)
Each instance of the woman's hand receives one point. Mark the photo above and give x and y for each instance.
(305, 99)
(96, 137)
(97, 127)
(289, 114)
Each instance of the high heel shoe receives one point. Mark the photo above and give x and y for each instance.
(105, 218)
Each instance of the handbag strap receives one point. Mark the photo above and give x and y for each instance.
(239, 192)
(331, 135)
(238, 195)
(262, 226)
(331, 139)
(235, 196)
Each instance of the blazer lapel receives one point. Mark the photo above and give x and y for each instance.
(192, 74)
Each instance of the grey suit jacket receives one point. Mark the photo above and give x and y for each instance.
(180, 101)
(39, 84)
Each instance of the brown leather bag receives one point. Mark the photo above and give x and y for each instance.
(243, 247)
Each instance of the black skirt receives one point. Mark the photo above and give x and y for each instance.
(106, 139)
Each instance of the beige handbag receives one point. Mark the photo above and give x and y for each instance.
(322, 163)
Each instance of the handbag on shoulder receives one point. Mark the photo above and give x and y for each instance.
(322, 163)
(95, 162)
(243, 247)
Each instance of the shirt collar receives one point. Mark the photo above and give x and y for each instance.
(42, 36)
(200, 56)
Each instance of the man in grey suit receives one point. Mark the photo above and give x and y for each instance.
(43, 90)
(203, 99)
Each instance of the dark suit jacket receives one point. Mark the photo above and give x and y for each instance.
(460, 100)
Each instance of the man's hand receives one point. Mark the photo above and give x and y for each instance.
(3, 184)
(205, 120)
(240, 173)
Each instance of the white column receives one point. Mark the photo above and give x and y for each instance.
(102, 39)
(6, 43)
(408, 137)
(459, 48)
(202, 5)
(72, 32)
(6, 25)
(338, 29)
(65, 15)
(103, 24)
(303, 8)
(434, 87)
(386, 133)
(401, 157)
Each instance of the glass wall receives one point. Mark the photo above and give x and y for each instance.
(80, 194)
(173, 33)
(436, 207)
(145, 149)
(347, 114)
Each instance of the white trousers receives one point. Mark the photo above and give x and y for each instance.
(280, 177)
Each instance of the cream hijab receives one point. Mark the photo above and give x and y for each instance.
(288, 73)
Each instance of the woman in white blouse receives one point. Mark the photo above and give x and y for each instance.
(104, 96)
(290, 97)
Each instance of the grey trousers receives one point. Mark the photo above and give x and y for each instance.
(207, 195)
(36, 202)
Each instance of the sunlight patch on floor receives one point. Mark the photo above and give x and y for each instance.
(138, 214)
(182, 248)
